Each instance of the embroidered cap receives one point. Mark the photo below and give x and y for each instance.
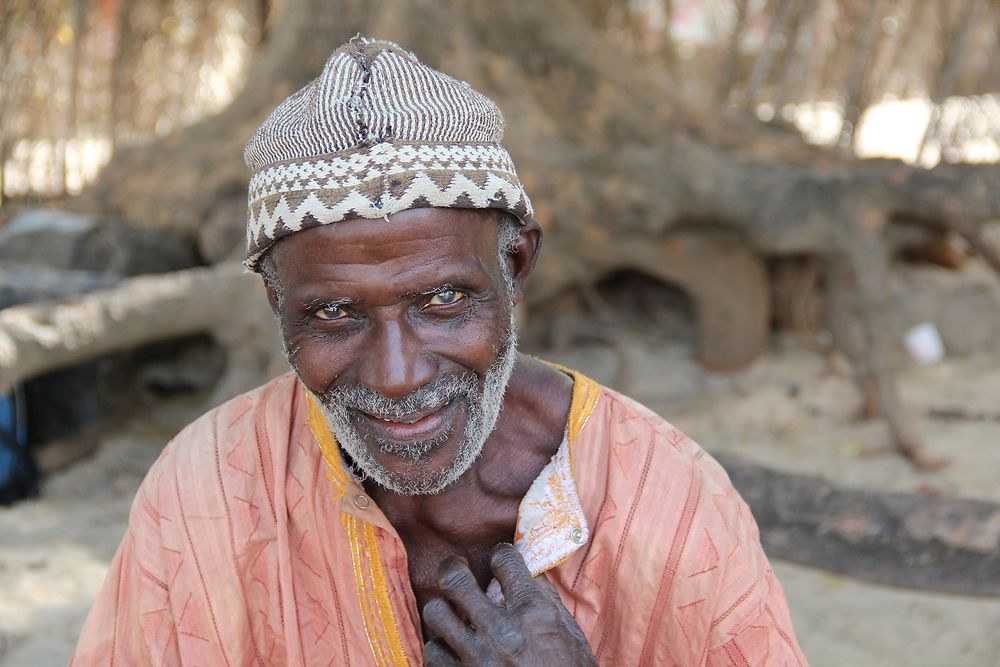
(377, 133)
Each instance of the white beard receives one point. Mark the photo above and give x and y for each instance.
(482, 412)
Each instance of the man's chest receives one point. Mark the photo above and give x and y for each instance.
(424, 565)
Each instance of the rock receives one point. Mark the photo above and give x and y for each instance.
(62, 240)
(26, 283)
(168, 368)
(44, 236)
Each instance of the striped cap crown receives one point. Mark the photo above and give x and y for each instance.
(377, 133)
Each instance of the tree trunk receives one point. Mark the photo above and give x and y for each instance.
(617, 167)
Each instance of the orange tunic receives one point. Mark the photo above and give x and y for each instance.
(249, 543)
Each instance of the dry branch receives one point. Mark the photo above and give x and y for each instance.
(40, 337)
(919, 541)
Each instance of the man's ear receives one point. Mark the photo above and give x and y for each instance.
(522, 256)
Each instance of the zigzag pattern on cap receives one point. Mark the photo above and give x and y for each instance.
(376, 133)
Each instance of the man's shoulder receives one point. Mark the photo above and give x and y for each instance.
(624, 423)
(256, 416)
(670, 535)
(648, 463)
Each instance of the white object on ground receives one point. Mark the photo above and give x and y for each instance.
(924, 343)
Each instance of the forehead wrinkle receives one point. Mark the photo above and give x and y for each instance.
(459, 272)
(325, 289)
(368, 260)
(429, 275)
(385, 240)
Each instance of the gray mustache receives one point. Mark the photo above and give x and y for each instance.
(432, 396)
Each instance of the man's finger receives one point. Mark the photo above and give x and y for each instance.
(437, 655)
(459, 586)
(513, 575)
(445, 624)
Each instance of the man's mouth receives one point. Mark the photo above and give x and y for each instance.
(409, 419)
(414, 426)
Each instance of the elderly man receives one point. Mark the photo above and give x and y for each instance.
(418, 490)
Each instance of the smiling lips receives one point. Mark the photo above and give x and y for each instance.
(415, 426)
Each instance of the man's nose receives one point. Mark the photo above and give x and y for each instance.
(396, 364)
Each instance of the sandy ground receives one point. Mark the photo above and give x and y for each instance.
(788, 410)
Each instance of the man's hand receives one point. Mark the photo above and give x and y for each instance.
(534, 628)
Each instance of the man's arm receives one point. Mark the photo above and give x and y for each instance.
(766, 639)
(750, 623)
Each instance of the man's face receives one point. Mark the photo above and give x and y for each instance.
(403, 331)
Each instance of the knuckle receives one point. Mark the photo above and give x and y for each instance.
(503, 553)
(541, 615)
(522, 599)
(505, 559)
(453, 579)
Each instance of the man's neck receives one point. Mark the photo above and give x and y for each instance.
(528, 433)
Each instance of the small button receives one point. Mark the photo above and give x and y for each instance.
(576, 535)
(361, 501)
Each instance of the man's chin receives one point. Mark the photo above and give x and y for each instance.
(410, 478)
(410, 456)
(428, 483)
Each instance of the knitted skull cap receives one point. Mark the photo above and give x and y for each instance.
(377, 133)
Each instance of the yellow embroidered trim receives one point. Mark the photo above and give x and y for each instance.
(373, 592)
(382, 598)
(368, 617)
(335, 472)
(585, 395)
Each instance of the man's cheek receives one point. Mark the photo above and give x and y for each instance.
(297, 356)
(314, 363)
(480, 342)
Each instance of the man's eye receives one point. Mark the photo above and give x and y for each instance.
(329, 313)
(446, 297)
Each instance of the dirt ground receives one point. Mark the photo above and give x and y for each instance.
(789, 410)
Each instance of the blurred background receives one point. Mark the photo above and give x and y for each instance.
(775, 222)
